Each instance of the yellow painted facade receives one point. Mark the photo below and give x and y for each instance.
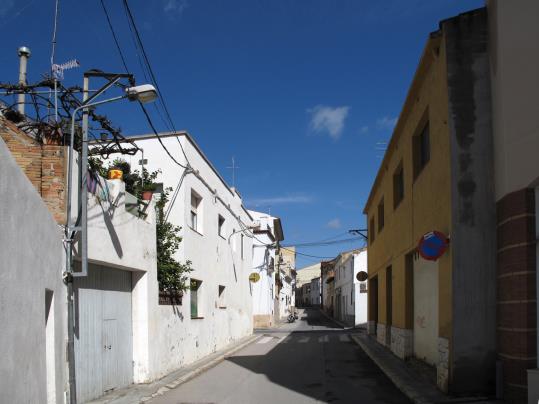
(426, 204)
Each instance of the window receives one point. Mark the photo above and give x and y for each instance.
(381, 215)
(371, 230)
(195, 212)
(195, 295)
(221, 300)
(421, 150)
(221, 226)
(398, 186)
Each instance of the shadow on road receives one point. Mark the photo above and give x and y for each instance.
(325, 364)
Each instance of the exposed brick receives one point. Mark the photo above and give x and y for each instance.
(516, 231)
(517, 259)
(44, 165)
(515, 370)
(517, 343)
(521, 315)
(516, 203)
(516, 287)
(515, 395)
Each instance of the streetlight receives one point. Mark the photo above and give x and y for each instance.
(143, 93)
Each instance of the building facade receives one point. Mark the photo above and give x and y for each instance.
(268, 233)
(315, 292)
(437, 175)
(514, 63)
(216, 233)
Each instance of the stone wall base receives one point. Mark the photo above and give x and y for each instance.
(442, 367)
(262, 321)
(381, 333)
(371, 327)
(402, 342)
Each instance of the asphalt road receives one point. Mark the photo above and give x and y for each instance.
(309, 361)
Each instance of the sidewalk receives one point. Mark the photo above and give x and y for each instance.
(413, 385)
(140, 393)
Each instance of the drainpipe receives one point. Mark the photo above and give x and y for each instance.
(24, 55)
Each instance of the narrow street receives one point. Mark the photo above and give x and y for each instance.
(309, 361)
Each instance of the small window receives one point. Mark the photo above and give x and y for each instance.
(371, 231)
(221, 226)
(421, 150)
(381, 215)
(195, 297)
(195, 211)
(221, 300)
(398, 186)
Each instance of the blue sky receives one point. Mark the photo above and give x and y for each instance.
(300, 92)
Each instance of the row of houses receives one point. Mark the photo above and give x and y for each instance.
(338, 286)
(453, 213)
(125, 328)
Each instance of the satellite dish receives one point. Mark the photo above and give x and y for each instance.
(362, 276)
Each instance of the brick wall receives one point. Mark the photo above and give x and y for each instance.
(516, 272)
(44, 165)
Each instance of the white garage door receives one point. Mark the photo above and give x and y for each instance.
(103, 332)
(426, 310)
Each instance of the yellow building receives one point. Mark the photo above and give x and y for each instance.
(437, 175)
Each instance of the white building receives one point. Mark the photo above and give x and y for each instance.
(315, 297)
(350, 294)
(214, 226)
(286, 281)
(268, 232)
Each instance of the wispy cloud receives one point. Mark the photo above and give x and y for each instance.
(386, 122)
(280, 200)
(364, 130)
(175, 8)
(334, 224)
(328, 120)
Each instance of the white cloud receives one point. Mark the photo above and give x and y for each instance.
(334, 224)
(328, 119)
(386, 122)
(280, 200)
(364, 130)
(175, 7)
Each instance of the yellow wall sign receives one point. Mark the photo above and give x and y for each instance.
(254, 277)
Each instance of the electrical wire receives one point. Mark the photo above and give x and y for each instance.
(306, 255)
(144, 111)
(326, 243)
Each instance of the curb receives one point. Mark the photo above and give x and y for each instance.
(339, 323)
(411, 392)
(201, 369)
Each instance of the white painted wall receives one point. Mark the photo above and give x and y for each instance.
(360, 299)
(426, 310)
(315, 292)
(32, 261)
(264, 290)
(175, 338)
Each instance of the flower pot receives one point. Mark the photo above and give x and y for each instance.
(147, 195)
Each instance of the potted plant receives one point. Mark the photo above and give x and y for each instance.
(147, 191)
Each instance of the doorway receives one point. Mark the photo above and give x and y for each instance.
(373, 303)
(389, 304)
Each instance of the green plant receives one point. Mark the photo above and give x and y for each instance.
(171, 274)
(136, 182)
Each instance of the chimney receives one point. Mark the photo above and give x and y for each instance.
(24, 55)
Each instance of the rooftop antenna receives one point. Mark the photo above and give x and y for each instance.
(233, 167)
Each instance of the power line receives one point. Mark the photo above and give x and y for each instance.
(306, 255)
(144, 111)
(327, 243)
(152, 75)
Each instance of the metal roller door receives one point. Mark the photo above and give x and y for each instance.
(103, 331)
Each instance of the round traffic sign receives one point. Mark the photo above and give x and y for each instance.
(362, 276)
(254, 277)
(432, 245)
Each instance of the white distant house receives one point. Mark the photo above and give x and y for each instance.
(315, 297)
(268, 233)
(350, 294)
(215, 227)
